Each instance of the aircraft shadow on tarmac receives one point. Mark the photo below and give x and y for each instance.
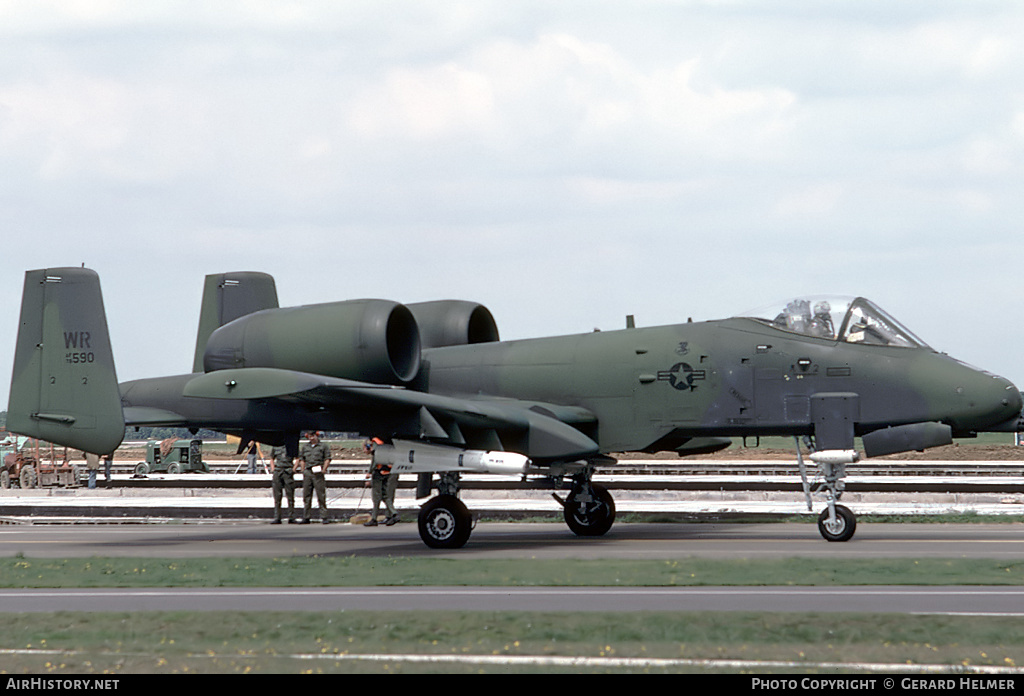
(515, 539)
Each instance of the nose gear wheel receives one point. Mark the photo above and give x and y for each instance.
(840, 529)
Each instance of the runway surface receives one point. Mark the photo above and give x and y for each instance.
(520, 541)
(514, 540)
(993, 601)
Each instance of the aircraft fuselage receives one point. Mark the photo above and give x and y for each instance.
(653, 388)
(733, 378)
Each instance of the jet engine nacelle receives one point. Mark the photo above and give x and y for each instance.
(453, 323)
(367, 340)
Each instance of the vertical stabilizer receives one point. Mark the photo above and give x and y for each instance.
(64, 388)
(227, 296)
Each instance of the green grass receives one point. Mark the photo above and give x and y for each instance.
(242, 642)
(329, 641)
(360, 570)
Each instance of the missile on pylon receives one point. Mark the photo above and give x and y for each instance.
(406, 456)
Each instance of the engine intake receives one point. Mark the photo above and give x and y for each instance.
(368, 340)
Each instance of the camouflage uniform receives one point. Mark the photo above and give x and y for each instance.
(382, 489)
(315, 458)
(283, 482)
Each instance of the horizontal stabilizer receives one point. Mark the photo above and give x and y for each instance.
(149, 416)
(251, 383)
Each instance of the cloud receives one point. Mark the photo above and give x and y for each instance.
(576, 97)
(424, 104)
(590, 159)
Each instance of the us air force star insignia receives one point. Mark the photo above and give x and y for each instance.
(681, 376)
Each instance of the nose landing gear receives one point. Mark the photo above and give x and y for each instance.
(836, 522)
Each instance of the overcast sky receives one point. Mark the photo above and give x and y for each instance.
(565, 163)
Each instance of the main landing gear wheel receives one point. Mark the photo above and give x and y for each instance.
(589, 512)
(445, 523)
(842, 528)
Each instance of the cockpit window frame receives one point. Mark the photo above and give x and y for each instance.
(895, 334)
(876, 326)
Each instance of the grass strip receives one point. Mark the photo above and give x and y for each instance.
(20, 571)
(278, 642)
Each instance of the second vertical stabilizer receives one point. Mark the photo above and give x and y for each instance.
(228, 296)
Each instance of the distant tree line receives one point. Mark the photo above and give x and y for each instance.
(131, 434)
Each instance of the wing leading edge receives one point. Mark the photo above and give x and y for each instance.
(541, 431)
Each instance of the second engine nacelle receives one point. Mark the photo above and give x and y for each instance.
(367, 340)
(453, 323)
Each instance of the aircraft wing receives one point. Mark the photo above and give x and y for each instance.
(541, 431)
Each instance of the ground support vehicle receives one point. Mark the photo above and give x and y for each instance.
(173, 457)
(29, 463)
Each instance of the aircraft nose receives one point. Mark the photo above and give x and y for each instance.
(1015, 400)
(985, 401)
(1013, 406)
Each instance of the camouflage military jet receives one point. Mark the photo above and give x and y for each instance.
(435, 382)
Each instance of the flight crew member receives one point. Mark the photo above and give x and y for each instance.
(314, 458)
(382, 485)
(283, 482)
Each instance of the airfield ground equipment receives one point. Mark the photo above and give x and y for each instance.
(29, 463)
(173, 457)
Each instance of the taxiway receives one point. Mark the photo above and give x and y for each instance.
(493, 540)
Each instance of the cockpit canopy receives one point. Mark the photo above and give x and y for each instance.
(852, 320)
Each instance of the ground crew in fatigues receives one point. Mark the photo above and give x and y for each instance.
(92, 465)
(382, 486)
(314, 458)
(283, 482)
(108, 463)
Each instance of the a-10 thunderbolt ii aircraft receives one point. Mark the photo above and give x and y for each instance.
(435, 383)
